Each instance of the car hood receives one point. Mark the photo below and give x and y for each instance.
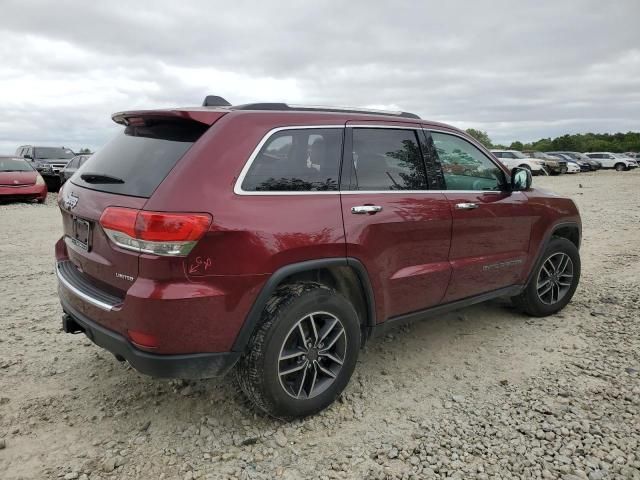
(18, 178)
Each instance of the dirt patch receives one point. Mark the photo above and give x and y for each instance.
(481, 393)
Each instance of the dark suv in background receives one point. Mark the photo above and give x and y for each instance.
(277, 239)
(48, 161)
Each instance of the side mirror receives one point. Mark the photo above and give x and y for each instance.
(520, 179)
(28, 157)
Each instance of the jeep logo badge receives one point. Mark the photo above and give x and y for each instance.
(71, 201)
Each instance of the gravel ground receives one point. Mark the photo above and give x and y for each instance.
(482, 393)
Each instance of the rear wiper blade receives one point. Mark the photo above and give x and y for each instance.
(100, 178)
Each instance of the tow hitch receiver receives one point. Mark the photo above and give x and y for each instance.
(69, 325)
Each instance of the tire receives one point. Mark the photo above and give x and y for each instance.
(293, 311)
(526, 167)
(620, 167)
(539, 302)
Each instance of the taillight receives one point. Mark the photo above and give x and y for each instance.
(159, 233)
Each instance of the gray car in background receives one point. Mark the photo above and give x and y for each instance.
(72, 167)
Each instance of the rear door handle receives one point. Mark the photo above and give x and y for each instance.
(466, 206)
(361, 209)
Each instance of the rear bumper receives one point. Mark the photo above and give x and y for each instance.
(196, 365)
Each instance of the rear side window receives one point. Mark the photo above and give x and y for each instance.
(387, 159)
(297, 160)
(138, 160)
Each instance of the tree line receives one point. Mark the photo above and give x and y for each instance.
(579, 142)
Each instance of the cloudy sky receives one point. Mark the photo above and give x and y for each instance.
(517, 69)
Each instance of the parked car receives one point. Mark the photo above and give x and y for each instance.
(278, 239)
(572, 165)
(626, 157)
(610, 160)
(578, 157)
(585, 165)
(553, 165)
(20, 181)
(514, 158)
(72, 167)
(48, 161)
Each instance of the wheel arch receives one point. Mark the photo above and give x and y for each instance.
(347, 275)
(572, 231)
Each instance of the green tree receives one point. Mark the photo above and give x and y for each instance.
(587, 142)
(516, 146)
(481, 136)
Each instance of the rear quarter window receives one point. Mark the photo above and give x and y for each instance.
(141, 157)
(297, 160)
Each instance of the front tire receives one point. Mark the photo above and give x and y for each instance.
(554, 280)
(620, 167)
(303, 354)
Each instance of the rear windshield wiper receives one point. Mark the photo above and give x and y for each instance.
(100, 178)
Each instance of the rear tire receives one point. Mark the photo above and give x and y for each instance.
(302, 355)
(554, 280)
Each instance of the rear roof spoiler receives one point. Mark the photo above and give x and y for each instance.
(202, 115)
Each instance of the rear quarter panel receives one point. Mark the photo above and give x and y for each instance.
(251, 236)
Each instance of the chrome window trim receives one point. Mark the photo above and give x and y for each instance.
(392, 127)
(89, 299)
(413, 192)
(237, 188)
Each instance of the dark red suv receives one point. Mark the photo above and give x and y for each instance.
(277, 239)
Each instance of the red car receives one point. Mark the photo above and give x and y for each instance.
(277, 240)
(20, 181)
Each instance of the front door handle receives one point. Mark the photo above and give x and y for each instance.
(361, 209)
(466, 206)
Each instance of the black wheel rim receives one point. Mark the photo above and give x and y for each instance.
(555, 278)
(312, 355)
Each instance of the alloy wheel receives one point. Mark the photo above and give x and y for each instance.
(555, 278)
(312, 355)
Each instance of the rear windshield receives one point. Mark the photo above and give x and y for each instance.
(138, 160)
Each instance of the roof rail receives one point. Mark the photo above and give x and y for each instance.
(316, 108)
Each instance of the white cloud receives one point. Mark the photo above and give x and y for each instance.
(520, 71)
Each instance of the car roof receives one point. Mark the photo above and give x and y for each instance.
(297, 114)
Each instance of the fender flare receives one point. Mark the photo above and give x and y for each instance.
(547, 238)
(255, 313)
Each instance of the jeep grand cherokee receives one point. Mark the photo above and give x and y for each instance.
(275, 240)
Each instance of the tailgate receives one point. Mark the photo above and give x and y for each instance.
(88, 247)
